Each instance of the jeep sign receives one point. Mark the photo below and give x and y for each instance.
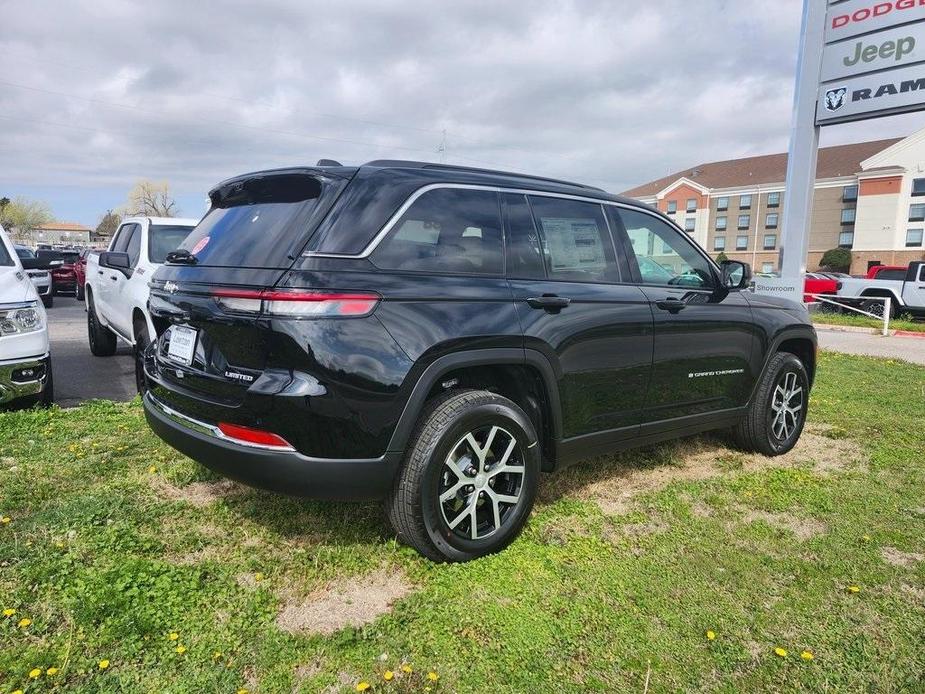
(878, 94)
(890, 48)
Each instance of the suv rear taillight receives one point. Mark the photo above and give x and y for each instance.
(297, 303)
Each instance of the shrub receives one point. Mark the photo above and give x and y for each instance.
(836, 260)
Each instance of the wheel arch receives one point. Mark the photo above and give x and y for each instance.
(799, 341)
(883, 292)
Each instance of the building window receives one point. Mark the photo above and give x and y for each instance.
(722, 204)
(918, 187)
(770, 242)
(849, 194)
(719, 243)
(767, 268)
(744, 221)
(913, 238)
(846, 239)
(745, 202)
(770, 222)
(721, 223)
(672, 206)
(741, 243)
(848, 215)
(917, 213)
(690, 223)
(773, 199)
(692, 204)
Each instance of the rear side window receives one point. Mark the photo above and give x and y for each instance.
(259, 222)
(891, 275)
(575, 239)
(524, 248)
(163, 238)
(448, 230)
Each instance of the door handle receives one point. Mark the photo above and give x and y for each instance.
(671, 304)
(99, 272)
(113, 278)
(549, 302)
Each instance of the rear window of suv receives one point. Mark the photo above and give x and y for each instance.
(259, 222)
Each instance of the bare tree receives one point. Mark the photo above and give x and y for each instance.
(108, 225)
(151, 199)
(24, 216)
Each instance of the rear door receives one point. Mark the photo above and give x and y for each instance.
(575, 305)
(703, 335)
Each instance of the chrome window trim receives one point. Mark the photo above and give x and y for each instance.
(393, 220)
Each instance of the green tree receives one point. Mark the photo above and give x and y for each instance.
(836, 260)
(722, 257)
(108, 225)
(25, 216)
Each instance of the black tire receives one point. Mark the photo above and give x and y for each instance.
(80, 292)
(102, 339)
(414, 508)
(765, 429)
(141, 343)
(876, 307)
(48, 300)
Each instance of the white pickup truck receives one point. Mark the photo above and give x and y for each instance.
(907, 295)
(25, 361)
(116, 285)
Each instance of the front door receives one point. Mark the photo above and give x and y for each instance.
(704, 335)
(595, 330)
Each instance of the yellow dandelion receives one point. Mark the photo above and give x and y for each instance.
(782, 652)
(216, 655)
(406, 669)
(711, 634)
(9, 612)
(103, 664)
(433, 676)
(258, 576)
(52, 671)
(17, 691)
(807, 655)
(363, 686)
(5, 519)
(173, 636)
(24, 622)
(388, 675)
(854, 589)
(59, 544)
(242, 690)
(181, 649)
(152, 469)
(34, 673)
(867, 538)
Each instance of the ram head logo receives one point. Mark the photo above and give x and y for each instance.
(836, 98)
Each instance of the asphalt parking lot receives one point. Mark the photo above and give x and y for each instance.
(80, 376)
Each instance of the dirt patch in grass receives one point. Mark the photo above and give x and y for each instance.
(353, 602)
(199, 494)
(614, 482)
(895, 557)
(803, 528)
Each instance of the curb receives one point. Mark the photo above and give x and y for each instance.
(908, 333)
(848, 329)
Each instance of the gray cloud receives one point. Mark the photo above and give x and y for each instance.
(612, 93)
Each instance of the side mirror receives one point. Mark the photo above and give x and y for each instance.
(34, 264)
(736, 275)
(115, 261)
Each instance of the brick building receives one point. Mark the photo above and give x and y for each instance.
(869, 197)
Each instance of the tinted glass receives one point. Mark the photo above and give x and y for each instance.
(122, 237)
(133, 247)
(918, 186)
(524, 250)
(24, 252)
(5, 258)
(163, 238)
(576, 241)
(446, 230)
(663, 255)
(891, 275)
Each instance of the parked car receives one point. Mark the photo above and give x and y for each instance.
(904, 286)
(818, 284)
(61, 262)
(38, 272)
(116, 283)
(25, 361)
(80, 272)
(436, 336)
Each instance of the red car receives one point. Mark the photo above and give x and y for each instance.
(818, 284)
(63, 276)
(887, 272)
(80, 273)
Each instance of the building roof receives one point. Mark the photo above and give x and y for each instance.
(63, 226)
(841, 160)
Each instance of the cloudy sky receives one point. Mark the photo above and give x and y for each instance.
(94, 95)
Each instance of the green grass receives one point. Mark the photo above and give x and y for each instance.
(106, 558)
(903, 322)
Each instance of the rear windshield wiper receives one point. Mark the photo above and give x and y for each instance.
(181, 256)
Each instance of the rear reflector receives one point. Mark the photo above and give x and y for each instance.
(297, 303)
(254, 437)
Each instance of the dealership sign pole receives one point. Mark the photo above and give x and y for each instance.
(858, 59)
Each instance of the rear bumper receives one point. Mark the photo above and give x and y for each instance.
(22, 378)
(288, 472)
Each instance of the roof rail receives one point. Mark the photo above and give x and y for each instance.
(400, 163)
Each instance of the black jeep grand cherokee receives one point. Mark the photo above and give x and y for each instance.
(438, 336)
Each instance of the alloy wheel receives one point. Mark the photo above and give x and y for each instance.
(481, 482)
(786, 406)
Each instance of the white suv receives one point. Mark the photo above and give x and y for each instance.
(25, 362)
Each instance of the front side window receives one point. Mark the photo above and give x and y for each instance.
(692, 204)
(773, 199)
(133, 247)
(913, 238)
(848, 216)
(672, 206)
(722, 204)
(664, 257)
(163, 238)
(575, 240)
(846, 239)
(24, 253)
(719, 243)
(6, 260)
(448, 230)
(849, 193)
(770, 221)
(744, 221)
(917, 213)
(770, 242)
(720, 223)
(690, 224)
(918, 187)
(745, 202)
(741, 243)
(122, 237)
